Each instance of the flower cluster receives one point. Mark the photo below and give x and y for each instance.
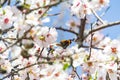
(29, 49)
(35, 4)
(80, 8)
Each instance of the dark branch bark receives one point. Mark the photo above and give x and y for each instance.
(81, 32)
(63, 29)
(103, 26)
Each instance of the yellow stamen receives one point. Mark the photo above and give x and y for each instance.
(42, 38)
(72, 24)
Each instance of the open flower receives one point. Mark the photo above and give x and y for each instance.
(97, 37)
(6, 17)
(45, 36)
(73, 25)
(80, 8)
(113, 49)
(35, 3)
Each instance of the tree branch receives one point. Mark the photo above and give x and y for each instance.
(74, 69)
(97, 16)
(63, 29)
(105, 26)
(111, 24)
(18, 40)
(49, 5)
(81, 32)
(25, 68)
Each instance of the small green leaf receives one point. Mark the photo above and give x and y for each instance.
(45, 14)
(66, 65)
(86, 58)
(4, 12)
(3, 71)
(44, 3)
(90, 78)
(26, 6)
(112, 58)
(95, 78)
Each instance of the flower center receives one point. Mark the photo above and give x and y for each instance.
(114, 50)
(72, 24)
(1, 48)
(110, 70)
(42, 38)
(101, 1)
(40, 12)
(6, 20)
(94, 39)
(90, 64)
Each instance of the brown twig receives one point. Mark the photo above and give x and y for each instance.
(44, 12)
(3, 2)
(103, 26)
(74, 69)
(49, 5)
(67, 30)
(9, 1)
(25, 68)
(54, 14)
(90, 48)
(18, 40)
(46, 6)
(40, 54)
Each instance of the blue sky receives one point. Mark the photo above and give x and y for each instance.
(113, 14)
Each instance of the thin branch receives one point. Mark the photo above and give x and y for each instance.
(46, 6)
(54, 14)
(111, 24)
(47, 62)
(97, 16)
(63, 29)
(90, 48)
(107, 76)
(17, 40)
(3, 2)
(9, 1)
(44, 12)
(96, 22)
(105, 26)
(25, 68)
(49, 5)
(74, 69)
(40, 54)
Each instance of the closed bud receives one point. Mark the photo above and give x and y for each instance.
(28, 46)
(25, 54)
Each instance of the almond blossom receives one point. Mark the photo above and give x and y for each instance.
(112, 49)
(73, 25)
(5, 19)
(54, 72)
(80, 8)
(45, 36)
(35, 4)
(29, 49)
